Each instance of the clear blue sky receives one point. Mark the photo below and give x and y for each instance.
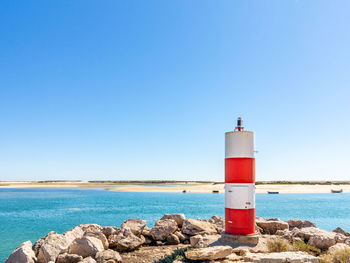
(127, 90)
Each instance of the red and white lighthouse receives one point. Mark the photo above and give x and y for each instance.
(239, 182)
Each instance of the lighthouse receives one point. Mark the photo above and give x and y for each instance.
(239, 182)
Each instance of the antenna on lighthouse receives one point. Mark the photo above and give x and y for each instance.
(239, 126)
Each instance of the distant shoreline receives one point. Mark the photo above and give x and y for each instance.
(182, 186)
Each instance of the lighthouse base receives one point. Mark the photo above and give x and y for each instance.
(244, 240)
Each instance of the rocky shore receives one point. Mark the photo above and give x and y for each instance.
(174, 238)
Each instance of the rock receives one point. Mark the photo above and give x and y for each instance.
(258, 229)
(72, 234)
(68, 258)
(136, 225)
(308, 232)
(129, 243)
(163, 228)
(100, 236)
(307, 224)
(113, 240)
(270, 226)
(219, 223)
(179, 218)
(40, 242)
(322, 241)
(203, 241)
(91, 228)
(182, 237)
(159, 243)
(339, 230)
(146, 232)
(108, 255)
(316, 237)
(126, 240)
(52, 246)
(294, 223)
(209, 253)
(194, 227)
(281, 257)
(148, 241)
(335, 248)
(86, 246)
(88, 260)
(172, 239)
(110, 230)
(23, 254)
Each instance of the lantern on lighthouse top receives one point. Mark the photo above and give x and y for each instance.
(239, 181)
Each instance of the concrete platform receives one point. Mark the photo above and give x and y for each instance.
(239, 240)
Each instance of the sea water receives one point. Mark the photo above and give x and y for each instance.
(28, 214)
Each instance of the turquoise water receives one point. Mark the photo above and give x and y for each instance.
(28, 214)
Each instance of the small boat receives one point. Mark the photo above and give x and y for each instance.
(336, 191)
(184, 191)
(215, 191)
(272, 192)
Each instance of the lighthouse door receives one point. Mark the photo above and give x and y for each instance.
(240, 196)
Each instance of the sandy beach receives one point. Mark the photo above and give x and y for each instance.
(193, 187)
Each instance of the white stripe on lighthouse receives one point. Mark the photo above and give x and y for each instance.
(239, 144)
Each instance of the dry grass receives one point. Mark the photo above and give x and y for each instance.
(340, 256)
(302, 246)
(278, 245)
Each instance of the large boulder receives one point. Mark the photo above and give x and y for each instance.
(163, 228)
(110, 230)
(218, 222)
(203, 241)
(182, 237)
(172, 239)
(136, 225)
(108, 256)
(179, 218)
(209, 253)
(317, 237)
(88, 260)
(322, 241)
(194, 227)
(307, 223)
(129, 243)
(337, 247)
(51, 247)
(147, 232)
(339, 230)
(91, 228)
(68, 258)
(40, 242)
(270, 226)
(125, 240)
(294, 223)
(23, 254)
(280, 257)
(72, 234)
(100, 236)
(86, 246)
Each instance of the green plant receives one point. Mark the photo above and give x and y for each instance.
(178, 254)
(278, 245)
(302, 246)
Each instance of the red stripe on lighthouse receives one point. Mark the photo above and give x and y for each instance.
(239, 170)
(240, 222)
